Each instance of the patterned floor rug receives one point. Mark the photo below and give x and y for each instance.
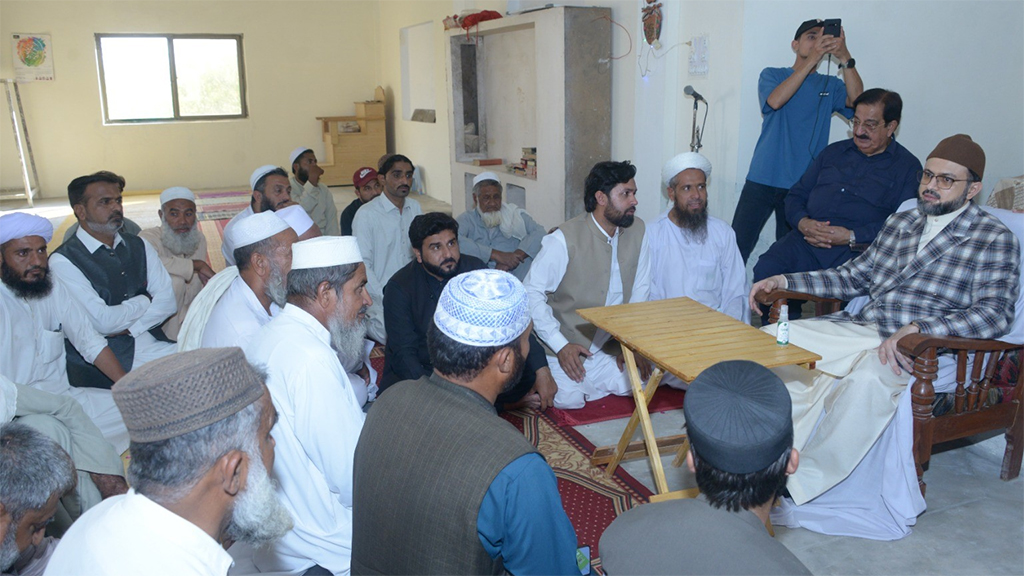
(590, 499)
(615, 407)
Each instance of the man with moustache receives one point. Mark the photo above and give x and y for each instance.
(263, 250)
(271, 191)
(845, 196)
(367, 187)
(320, 414)
(382, 229)
(502, 235)
(947, 268)
(201, 449)
(182, 249)
(409, 302)
(117, 279)
(314, 196)
(599, 258)
(38, 315)
(442, 484)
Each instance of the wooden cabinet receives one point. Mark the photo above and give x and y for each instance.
(348, 151)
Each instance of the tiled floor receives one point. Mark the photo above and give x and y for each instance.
(974, 523)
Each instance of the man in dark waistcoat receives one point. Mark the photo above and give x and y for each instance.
(117, 279)
(442, 485)
(410, 298)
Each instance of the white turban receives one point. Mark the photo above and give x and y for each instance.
(325, 251)
(21, 224)
(296, 153)
(252, 229)
(685, 161)
(483, 308)
(485, 176)
(296, 217)
(260, 173)
(177, 193)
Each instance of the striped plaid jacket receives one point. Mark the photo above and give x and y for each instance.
(964, 283)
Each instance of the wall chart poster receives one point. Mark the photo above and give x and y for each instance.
(33, 57)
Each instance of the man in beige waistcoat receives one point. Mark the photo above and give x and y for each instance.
(599, 258)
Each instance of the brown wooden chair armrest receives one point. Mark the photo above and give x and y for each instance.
(774, 295)
(916, 344)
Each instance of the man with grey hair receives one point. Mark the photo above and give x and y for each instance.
(36, 473)
(200, 426)
(271, 191)
(182, 248)
(303, 348)
(501, 234)
(263, 251)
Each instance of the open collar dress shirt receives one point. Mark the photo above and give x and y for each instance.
(236, 317)
(131, 535)
(316, 435)
(549, 269)
(136, 314)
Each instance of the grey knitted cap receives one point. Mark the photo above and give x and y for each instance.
(183, 392)
(739, 416)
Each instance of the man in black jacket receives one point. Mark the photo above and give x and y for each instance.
(410, 298)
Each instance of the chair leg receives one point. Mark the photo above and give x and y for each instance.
(1014, 444)
(922, 395)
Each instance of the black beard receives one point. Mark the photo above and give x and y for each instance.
(620, 219)
(437, 271)
(302, 175)
(693, 222)
(941, 208)
(517, 374)
(24, 289)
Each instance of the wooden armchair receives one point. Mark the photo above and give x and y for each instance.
(973, 411)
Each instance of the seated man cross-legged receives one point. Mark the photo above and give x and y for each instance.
(410, 298)
(947, 268)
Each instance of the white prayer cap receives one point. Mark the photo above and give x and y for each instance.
(177, 193)
(296, 153)
(685, 161)
(252, 229)
(296, 217)
(21, 224)
(483, 308)
(325, 251)
(484, 176)
(260, 173)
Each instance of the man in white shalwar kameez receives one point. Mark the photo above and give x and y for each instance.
(600, 258)
(271, 191)
(313, 195)
(320, 417)
(264, 245)
(946, 268)
(37, 315)
(694, 254)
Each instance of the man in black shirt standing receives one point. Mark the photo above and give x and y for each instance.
(410, 298)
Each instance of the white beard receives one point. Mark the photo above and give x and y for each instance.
(181, 244)
(347, 339)
(259, 516)
(491, 219)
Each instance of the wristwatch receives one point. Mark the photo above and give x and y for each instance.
(853, 238)
(849, 64)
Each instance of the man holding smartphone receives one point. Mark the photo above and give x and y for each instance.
(796, 106)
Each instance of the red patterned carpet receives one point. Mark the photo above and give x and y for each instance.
(615, 407)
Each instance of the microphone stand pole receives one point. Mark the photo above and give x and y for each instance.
(695, 136)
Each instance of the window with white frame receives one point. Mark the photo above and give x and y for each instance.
(171, 77)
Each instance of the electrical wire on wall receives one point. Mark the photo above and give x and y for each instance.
(628, 36)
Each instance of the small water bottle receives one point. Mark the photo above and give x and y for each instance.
(782, 334)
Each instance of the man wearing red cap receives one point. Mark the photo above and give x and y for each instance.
(947, 268)
(367, 187)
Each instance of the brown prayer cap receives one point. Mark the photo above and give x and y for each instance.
(184, 392)
(962, 150)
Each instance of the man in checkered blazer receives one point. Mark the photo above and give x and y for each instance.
(945, 268)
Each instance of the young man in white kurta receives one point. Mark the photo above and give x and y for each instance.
(319, 426)
(315, 198)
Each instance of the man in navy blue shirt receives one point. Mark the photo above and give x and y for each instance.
(796, 105)
(848, 192)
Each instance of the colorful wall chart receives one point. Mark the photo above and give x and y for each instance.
(33, 57)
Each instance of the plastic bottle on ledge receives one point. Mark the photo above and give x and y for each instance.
(782, 334)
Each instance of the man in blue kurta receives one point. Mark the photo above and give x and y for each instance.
(442, 485)
(797, 104)
(848, 192)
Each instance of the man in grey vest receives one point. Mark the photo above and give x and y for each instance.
(117, 279)
(442, 485)
(740, 423)
(599, 258)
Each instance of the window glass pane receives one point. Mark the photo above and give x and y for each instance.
(207, 71)
(137, 78)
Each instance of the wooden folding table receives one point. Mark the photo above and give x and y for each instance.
(681, 337)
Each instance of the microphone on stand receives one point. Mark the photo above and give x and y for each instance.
(697, 134)
(689, 91)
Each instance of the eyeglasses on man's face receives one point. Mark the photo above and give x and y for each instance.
(943, 181)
